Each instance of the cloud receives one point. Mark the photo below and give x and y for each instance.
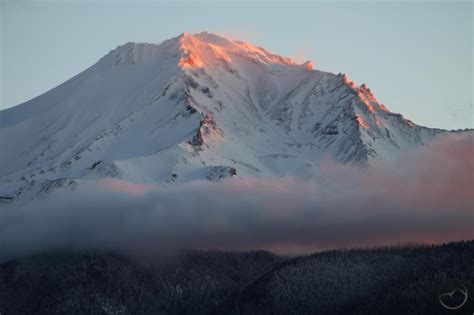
(425, 196)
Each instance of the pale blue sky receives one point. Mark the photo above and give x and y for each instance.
(415, 56)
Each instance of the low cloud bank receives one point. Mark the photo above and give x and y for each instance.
(423, 197)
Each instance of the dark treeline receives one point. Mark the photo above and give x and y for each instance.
(399, 280)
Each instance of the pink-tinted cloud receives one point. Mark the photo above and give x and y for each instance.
(125, 187)
(423, 197)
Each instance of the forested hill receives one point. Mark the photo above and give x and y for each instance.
(379, 281)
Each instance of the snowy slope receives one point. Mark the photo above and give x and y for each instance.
(194, 107)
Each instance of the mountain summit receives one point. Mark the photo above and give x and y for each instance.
(194, 107)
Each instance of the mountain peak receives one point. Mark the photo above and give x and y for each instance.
(207, 37)
(204, 49)
(197, 106)
(209, 49)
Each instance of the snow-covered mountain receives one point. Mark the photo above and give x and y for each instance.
(194, 107)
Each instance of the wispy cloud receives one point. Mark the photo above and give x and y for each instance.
(425, 196)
